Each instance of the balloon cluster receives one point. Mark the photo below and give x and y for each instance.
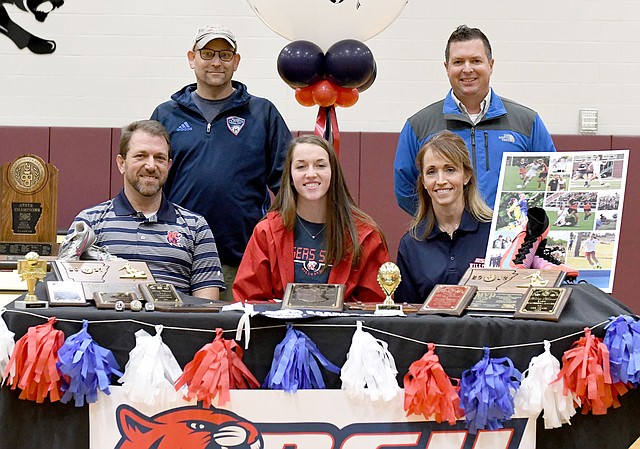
(334, 78)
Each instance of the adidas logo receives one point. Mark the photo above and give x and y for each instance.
(184, 127)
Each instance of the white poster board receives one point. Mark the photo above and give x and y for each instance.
(307, 419)
(582, 193)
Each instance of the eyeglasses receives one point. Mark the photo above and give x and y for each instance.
(224, 55)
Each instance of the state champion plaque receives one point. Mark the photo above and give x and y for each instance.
(28, 207)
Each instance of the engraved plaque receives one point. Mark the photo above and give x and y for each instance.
(511, 281)
(543, 303)
(448, 299)
(313, 296)
(160, 293)
(494, 303)
(28, 207)
(108, 299)
(96, 275)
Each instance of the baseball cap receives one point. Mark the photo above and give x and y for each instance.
(210, 32)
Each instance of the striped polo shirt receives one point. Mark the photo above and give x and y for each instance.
(176, 244)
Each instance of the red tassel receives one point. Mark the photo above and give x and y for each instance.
(215, 369)
(428, 390)
(585, 370)
(32, 366)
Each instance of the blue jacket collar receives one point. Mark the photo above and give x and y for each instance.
(183, 96)
(122, 207)
(451, 110)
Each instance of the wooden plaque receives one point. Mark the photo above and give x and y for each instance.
(511, 280)
(448, 299)
(100, 276)
(313, 296)
(160, 294)
(543, 303)
(486, 303)
(28, 207)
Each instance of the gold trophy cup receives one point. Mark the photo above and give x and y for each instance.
(389, 278)
(31, 270)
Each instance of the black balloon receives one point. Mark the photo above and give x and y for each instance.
(301, 64)
(371, 79)
(349, 63)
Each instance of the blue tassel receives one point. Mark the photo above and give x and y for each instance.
(487, 391)
(294, 365)
(623, 342)
(85, 367)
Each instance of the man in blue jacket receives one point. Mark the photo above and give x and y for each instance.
(489, 125)
(228, 147)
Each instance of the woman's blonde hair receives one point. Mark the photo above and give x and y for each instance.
(452, 148)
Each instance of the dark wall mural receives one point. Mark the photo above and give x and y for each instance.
(21, 37)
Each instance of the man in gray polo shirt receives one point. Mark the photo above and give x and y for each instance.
(140, 224)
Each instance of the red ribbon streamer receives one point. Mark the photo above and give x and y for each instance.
(327, 126)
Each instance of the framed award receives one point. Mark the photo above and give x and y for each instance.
(494, 304)
(97, 276)
(160, 293)
(313, 296)
(109, 299)
(508, 280)
(543, 303)
(62, 293)
(448, 299)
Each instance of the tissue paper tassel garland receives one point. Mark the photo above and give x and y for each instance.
(538, 391)
(370, 369)
(486, 392)
(428, 390)
(585, 370)
(623, 342)
(7, 344)
(151, 371)
(294, 365)
(32, 366)
(215, 369)
(86, 367)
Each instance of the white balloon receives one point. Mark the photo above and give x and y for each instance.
(325, 22)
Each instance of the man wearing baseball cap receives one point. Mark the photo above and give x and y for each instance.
(228, 146)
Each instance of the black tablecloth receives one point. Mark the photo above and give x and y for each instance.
(25, 424)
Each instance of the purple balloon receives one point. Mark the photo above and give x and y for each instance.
(349, 63)
(301, 64)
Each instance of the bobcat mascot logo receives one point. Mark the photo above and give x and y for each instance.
(21, 37)
(186, 428)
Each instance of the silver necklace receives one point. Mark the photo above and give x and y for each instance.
(313, 236)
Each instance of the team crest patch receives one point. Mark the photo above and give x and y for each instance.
(187, 428)
(174, 238)
(235, 124)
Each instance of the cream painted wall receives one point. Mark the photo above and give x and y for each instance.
(117, 59)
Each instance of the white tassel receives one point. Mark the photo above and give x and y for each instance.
(7, 343)
(538, 391)
(370, 369)
(151, 372)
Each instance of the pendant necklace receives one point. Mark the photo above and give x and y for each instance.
(313, 236)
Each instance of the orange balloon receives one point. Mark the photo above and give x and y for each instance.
(304, 96)
(347, 97)
(325, 93)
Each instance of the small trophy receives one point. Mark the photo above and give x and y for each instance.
(389, 278)
(31, 269)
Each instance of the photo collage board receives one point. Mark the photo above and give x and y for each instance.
(582, 194)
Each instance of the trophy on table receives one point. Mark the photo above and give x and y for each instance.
(31, 269)
(389, 278)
